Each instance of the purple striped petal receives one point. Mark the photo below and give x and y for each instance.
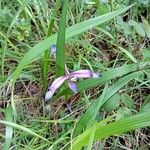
(49, 94)
(84, 74)
(54, 86)
(58, 82)
(73, 87)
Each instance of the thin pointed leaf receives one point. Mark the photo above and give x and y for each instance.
(60, 53)
(9, 129)
(14, 125)
(146, 27)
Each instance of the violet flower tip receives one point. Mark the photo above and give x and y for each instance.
(53, 50)
(73, 87)
(48, 95)
(96, 75)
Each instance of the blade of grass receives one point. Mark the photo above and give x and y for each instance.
(118, 127)
(9, 129)
(14, 125)
(11, 44)
(128, 54)
(54, 14)
(92, 111)
(70, 32)
(146, 26)
(91, 139)
(60, 53)
(105, 32)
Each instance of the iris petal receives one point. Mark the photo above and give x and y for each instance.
(49, 95)
(54, 86)
(73, 87)
(58, 82)
(84, 74)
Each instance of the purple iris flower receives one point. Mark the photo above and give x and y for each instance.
(71, 77)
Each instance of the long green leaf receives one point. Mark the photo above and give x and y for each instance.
(60, 53)
(9, 129)
(128, 54)
(70, 32)
(92, 111)
(117, 127)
